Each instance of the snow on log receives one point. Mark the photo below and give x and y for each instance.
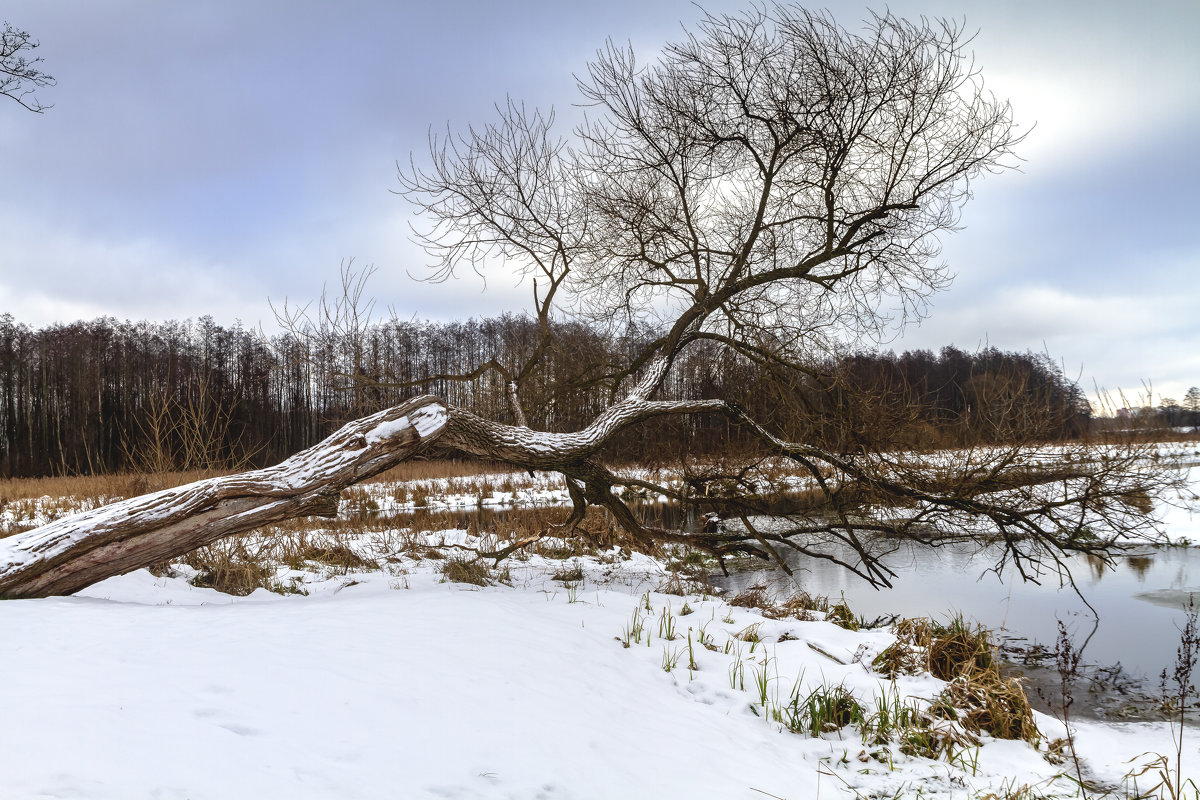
(77, 551)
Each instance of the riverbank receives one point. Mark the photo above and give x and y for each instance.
(402, 683)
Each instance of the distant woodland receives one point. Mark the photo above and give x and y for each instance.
(108, 396)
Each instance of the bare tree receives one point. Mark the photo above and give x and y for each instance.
(777, 185)
(772, 189)
(20, 76)
(337, 330)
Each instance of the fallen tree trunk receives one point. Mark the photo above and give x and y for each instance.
(77, 551)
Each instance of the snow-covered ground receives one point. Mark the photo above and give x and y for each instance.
(398, 684)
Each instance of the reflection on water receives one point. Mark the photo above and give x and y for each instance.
(1140, 565)
(1139, 599)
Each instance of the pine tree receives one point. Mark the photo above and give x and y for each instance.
(1191, 400)
(1191, 404)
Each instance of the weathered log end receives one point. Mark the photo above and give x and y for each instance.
(74, 552)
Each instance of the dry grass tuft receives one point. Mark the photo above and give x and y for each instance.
(948, 651)
(753, 597)
(334, 555)
(977, 698)
(985, 702)
(899, 659)
(466, 570)
(572, 574)
(231, 567)
(802, 606)
(960, 649)
(841, 615)
(676, 585)
(749, 633)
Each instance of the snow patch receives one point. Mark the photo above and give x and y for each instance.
(426, 421)
(429, 419)
(386, 430)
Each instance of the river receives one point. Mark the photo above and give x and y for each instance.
(1139, 599)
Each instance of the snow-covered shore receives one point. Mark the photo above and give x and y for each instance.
(397, 684)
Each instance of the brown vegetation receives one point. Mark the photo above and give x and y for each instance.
(978, 696)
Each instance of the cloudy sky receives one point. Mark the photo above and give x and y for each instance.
(202, 157)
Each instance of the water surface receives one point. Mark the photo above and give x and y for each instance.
(1139, 600)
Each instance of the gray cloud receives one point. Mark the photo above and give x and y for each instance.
(203, 157)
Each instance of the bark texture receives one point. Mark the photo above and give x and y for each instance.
(75, 552)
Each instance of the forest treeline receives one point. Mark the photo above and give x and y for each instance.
(107, 396)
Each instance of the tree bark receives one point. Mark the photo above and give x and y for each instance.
(75, 552)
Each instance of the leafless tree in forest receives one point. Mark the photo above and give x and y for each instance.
(336, 332)
(773, 187)
(20, 76)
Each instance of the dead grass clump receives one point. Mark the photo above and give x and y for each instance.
(977, 699)
(230, 567)
(682, 586)
(947, 651)
(900, 658)
(674, 585)
(573, 574)
(466, 570)
(917, 631)
(1138, 500)
(841, 615)
(927, 739)
(806, 608)
(985, 702)
(753, 597)
(801, 606)
(830, 709)
(960, 649)
(335, 555)
(749, 633)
